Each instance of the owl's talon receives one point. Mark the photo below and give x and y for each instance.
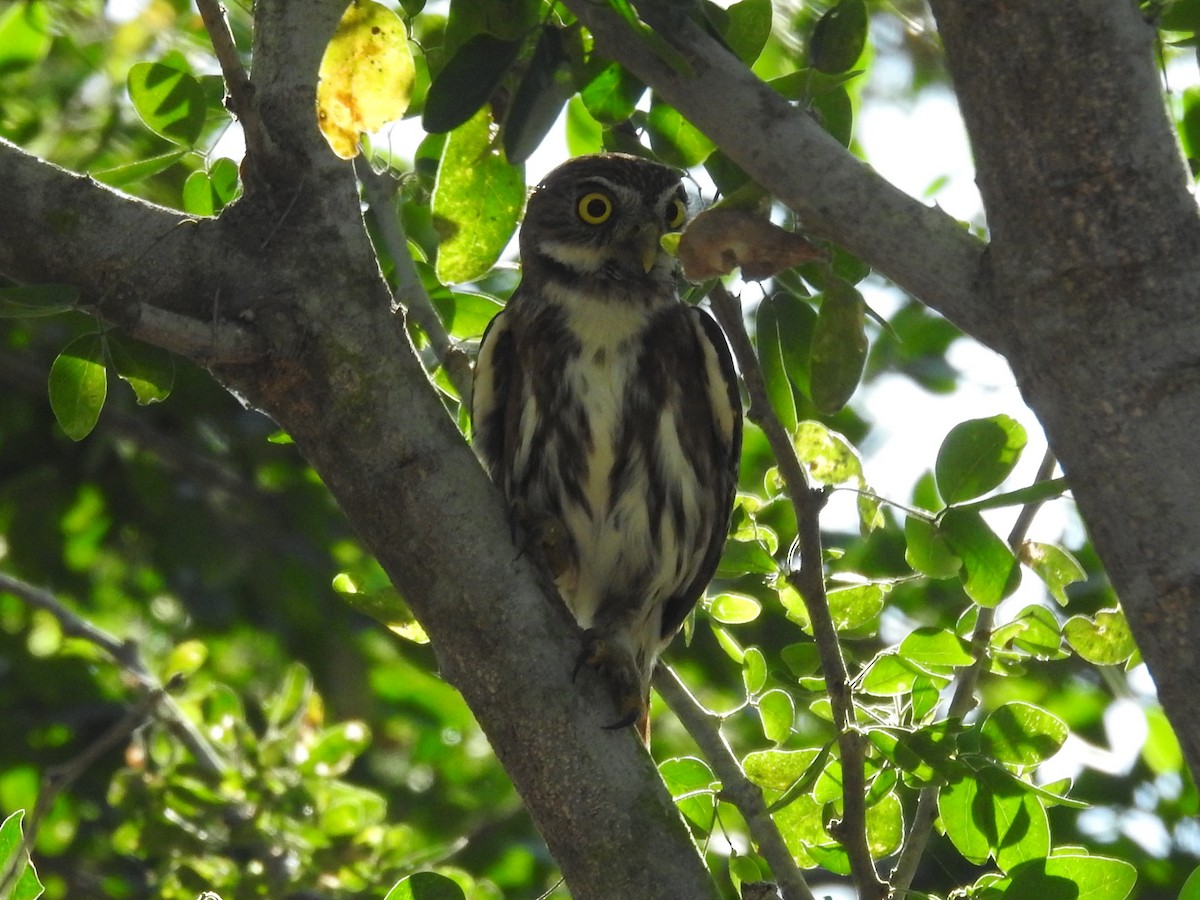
(626, 720)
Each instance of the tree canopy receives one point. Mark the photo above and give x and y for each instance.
(264, 626)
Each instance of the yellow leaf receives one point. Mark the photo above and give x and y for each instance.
(366, 74)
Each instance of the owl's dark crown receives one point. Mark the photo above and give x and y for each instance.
(593, 226)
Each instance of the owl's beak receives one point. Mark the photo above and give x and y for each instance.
(645, 239)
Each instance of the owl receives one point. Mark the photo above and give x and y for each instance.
(607, 411)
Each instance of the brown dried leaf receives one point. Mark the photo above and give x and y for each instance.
(718, 241)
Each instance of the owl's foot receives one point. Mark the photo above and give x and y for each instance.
(624, 678)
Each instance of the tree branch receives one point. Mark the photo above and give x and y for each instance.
(127, 656)
(735, 786)
(410, 295)
(242, 102)
(835, 195)
(809, 580)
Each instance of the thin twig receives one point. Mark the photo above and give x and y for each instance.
(410, 294)
(962, 700)
(242, 102)
(126, 655)
(809, 580)
(59, 778)
(735, 786)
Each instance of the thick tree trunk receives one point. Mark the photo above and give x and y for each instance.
(1095, 260)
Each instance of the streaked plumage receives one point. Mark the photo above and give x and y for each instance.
(607, 411)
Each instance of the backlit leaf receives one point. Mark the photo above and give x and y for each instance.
(171, 102)
(854, 607)
(777, 712)
(1022, 734)
(977, 456)
(1053, 565)
(692, 786)
(1104, 640)
(24, 36)
(612, 95)
(1072, 876)
(78, 385)
(366, 76)
(149, 370)
(734, 609)
(426, 886)
(936, 647)
(477, 200)
(927, 549)
(827, 455)
(771, 359)
(989, 570)
(26, 885)
(675, 140)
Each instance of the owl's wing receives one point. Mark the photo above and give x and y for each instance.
(725, 409)
(495, 376)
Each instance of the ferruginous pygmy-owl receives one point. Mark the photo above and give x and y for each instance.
(607, 410)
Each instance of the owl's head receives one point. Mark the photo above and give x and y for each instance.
(598, 219)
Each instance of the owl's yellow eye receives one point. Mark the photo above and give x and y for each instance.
(595, 208)
(676, 213)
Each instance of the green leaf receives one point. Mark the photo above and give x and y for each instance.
(1024, 830)
(292, 697)
(744, 558)
(467, 81)
(675, 140)
(885, 826)
(465, 313)
(989, 570)
(224, 175)
(426, 886)
(584, 134)
(1161, 751)
(693, 788)
(31, 301)
(1070, 876)
(936, 647)
(336, 748)
(827, 455)
(839, 37)
(477, 200)
(890, 676)
(366, 76)
(539, 97)
(26, 885)
(744, 26)
(839, 347)
(754, 670)
(185, 660)
(1191, 887)
(149, 370)
(783, 770)
(976, 456)
(927, 549)
(198, 195)
(957, 805)
(1053, 565)
(777, 712)
(612, 96)
(853, 607)
(171, 102)
(1104, 641)
(1022, 734)
(131, 173)
(770, 338)
(734, 609)
(1034, 630)
(835, 112)
(24, 37)
(78, 385)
